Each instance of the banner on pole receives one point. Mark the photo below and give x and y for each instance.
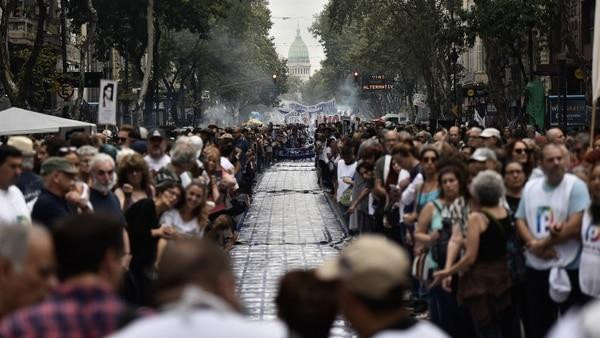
(107, 104)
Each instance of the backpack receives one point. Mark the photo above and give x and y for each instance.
(515, 259)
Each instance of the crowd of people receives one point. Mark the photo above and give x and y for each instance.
(484, 233)
(502, 226)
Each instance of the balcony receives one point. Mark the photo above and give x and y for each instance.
(21, 31)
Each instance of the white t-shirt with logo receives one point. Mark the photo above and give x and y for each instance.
(157, 164)
(422, 329)
(541, 206)
(173, 218)
(13, 208)
(589, 266)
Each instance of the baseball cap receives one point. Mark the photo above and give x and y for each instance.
(53, 164)
(23, 143)
(483, 154)
(156, 133)
(140, 147)
(371, 266)
(490, 132)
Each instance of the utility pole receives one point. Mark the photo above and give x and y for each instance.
(562, 78)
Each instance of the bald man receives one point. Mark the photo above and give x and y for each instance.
(555, 135)
(474, 138)
(27, 266)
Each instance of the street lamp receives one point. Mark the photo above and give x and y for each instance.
(275, 78)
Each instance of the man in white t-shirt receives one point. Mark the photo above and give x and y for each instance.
(13, 209)
(157, 146)
(374, 276)
(196, 289)
(549, 222)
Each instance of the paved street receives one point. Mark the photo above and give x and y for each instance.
(289, 225)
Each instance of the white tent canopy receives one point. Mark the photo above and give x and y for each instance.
(17, 121)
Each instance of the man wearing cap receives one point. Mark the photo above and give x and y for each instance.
(28, 182)
(12, 203)
(491, 138)
(57, 198)
(157, 146)
(482, 159)
(374, 277)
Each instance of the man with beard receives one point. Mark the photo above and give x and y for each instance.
(102, 181)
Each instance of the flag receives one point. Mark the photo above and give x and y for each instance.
(596, 55)
(480, 120)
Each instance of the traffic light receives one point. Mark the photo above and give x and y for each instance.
(275, 78)
(355, 74)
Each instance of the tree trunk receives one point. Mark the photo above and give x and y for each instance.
(7, 77)
(149, 57)
(83, 56)
(40, 35)
(18, 93)
(63, 34)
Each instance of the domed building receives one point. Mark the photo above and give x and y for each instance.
(298, 58)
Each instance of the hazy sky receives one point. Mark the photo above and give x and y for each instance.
(300, 12)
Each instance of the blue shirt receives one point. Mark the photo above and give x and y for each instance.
(50, 208)
(107, 204)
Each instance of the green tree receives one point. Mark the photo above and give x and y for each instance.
(18, 82)
(411, 41)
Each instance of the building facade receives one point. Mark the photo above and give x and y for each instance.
(299, 59)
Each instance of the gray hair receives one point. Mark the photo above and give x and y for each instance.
(87, 151)
(124, 153)
(101, 158)
(13, 244)
(183, 153)
(488, 188)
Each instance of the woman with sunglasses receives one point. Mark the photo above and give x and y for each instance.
(133, 180)
(518, 151)
(428, 191)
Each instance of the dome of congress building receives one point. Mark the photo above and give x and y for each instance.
(299, 58)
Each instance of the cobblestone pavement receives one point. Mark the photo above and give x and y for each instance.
(290, 225)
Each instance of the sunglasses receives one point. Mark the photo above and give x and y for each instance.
(429, 159)
(122, 139)
(520, 150)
